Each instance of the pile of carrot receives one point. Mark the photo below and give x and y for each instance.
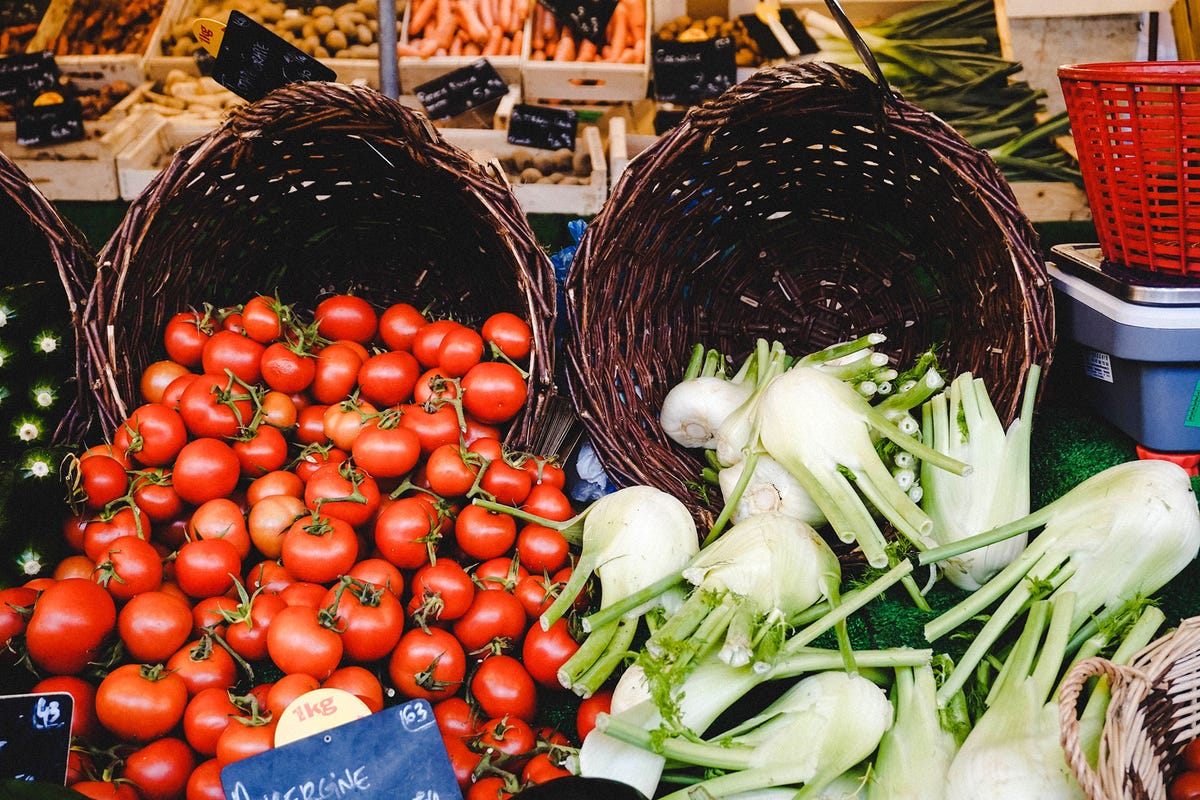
(465, 27)
(624, 41)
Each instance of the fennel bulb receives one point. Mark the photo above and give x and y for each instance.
(1014, 751)
(749, 585)
(1123, 532)
(769, 488)
(693, 410)
(962, 423)
(821, 431)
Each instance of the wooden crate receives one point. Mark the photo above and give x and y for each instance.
(588, 82)
(139, 161)
(544, 198)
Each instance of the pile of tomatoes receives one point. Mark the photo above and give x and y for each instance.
(291, 507)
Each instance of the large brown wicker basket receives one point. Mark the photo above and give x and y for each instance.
(40, 245)
(806, 205)
(1153, 712)
(319, 187)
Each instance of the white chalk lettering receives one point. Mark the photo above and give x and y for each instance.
(333, 786)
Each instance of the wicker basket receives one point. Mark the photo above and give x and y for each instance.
(317, 188)
(1153, 712)
(39, 244)
(807, 204)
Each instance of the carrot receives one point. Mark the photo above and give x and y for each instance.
(549, 23)
(520, 12)
(444, 28)
(565, 50)
(629, 56)
(468, 13)
(405, 49)
(422, 13)
(504, 13)
(456, 47)
(518, 39)
(487, 13)
(636, 14)
(587, 51)
(620, 29)
(494, 40)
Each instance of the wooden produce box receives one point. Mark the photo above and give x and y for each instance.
(589, 81)
(146, 155)
(539, 198)
(416, 70)
(172, 47)
(623, 146)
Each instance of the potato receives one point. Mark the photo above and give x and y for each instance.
(336, 40)
(364, 34)
(531, 175)
(521, 159)
(323, 25)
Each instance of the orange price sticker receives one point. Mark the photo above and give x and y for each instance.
(317, 711)
(209, 33)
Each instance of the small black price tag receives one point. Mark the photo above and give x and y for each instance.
(54, 123)
(394, 753)
(25, 75)
(254, 61)
(461, 90)
(543, 127)
(587, 19)
(35, 736)
(685, 73)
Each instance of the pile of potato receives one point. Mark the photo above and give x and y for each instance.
(686, 29)
(348, 30)
(564, 167)
(181, 93)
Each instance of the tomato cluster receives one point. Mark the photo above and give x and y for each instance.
(289, 508)
(1186, 783)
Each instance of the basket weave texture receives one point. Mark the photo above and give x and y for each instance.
(1153, 712)
(317, 188)
(805, 205)
(40, 245)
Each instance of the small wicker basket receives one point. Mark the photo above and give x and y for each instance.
(1153, 712)
(808, 205)
(40, 245)
(317, 188)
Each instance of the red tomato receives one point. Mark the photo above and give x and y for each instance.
(428, 338)
(1185, 786)
(287, 689)
(541, 769)
(1191, 755)
(83, 695)
(548, 502)
(315, 456)
(343, 421)
(245, 738)
(221, 518)
(541, 549)
(157, 377)
(130, 566)
(483, 534)
(284, 369)
(105, 790)
(502, 686)
(209, 614)
(303, 593)
(360, 682)
(298, 642)
(70, 622)
(388, 378)
(509, 735)
(268, 576)
(240, 355)
(337, 373)
(589, 708)
(433, 427)
(344, 316)
(205, 782)
(278, 482)
(509, 333)
(247, 632)
(16, 604)
(160, 769)
(261, 318)
(379, 572)
(205, 718)
(451, 470)
(369, 618)
(342, 491)
(488, 787)
(153, 625)
(407, 531)
(263, 450)
(509, 485)
(442, 591)
(463, 761)
(214, 405)
(203, 664)
(185, 335)
(206, 468)
(536, 591)
(173, 394)
(495, 619)
(503, 572)
(270, 518)
(206, 567)
(153, 492)
(455, 717)
(319, 549)
(139, 703)
(459, 350)
(428, 664)
(493, 391)
(386, 452)
(102, 480)
(152, 435)
(544, 471)
(398, 324)
(434, 386)
(545, 651)
(279, 410)
(110, 525)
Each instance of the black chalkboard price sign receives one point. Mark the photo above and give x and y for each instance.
(394, 753)
(35, 736)
(53, 123)
(686, 73)
(587, 19)
(23, 76)
(543, 127)
(461, 90)
(254, 61)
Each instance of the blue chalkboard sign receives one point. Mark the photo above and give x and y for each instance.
(35, 736)
(254, 61)
(394, 754)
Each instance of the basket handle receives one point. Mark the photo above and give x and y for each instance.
(861, 48)
(1068, 718)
